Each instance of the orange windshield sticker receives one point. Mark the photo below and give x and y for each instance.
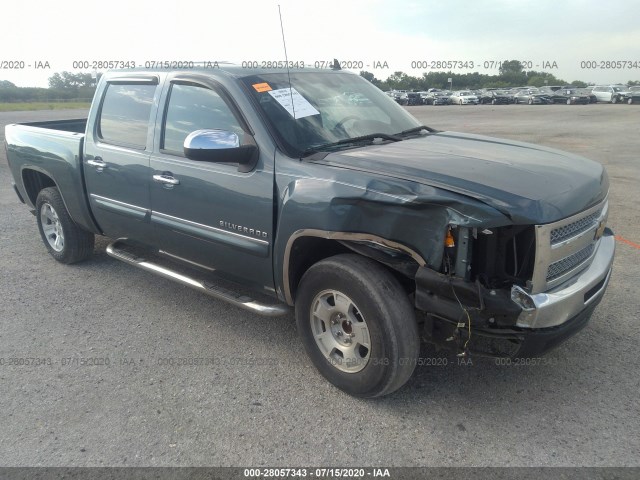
(262, 87)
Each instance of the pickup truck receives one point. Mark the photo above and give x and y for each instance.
(258, 188)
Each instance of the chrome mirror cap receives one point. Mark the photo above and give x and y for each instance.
(211, 140)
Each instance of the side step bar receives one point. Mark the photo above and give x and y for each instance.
(117, 251)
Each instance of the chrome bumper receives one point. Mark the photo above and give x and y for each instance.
(557, 306)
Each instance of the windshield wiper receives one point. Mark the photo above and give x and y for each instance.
(416, 130)
(349, 141)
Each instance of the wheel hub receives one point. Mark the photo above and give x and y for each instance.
(340, 331)
(52, 227)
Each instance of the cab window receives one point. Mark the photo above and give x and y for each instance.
(125, 112)
(193, 108)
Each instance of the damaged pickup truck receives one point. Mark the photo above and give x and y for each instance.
(377, 229)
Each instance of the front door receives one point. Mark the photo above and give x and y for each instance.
(210, 213)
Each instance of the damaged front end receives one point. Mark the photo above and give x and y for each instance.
(472, 291)
(516, 291)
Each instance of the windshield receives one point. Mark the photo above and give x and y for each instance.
(329, 107)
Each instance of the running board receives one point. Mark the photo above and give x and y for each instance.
(117, 251)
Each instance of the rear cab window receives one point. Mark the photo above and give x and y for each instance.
(125, 114)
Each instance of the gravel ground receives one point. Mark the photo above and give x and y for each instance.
(261, 402)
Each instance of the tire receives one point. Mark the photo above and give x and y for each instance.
(349, 289)
(530, 102)
(493, 102)
(630, 101)
(614, 99)
(460, 102)
(568, 101)
(65, 241)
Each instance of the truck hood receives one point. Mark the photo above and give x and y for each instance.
(529, 184)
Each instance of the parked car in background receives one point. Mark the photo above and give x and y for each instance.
(609, 93)
(437, 98)
(632, 95)
(401, 97)
(494, 97)
(414, 98)
(588, 93)
(547, 90)
(531, 97)
(570, 96)
(463, 97)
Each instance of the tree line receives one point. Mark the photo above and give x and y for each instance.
(65, 86)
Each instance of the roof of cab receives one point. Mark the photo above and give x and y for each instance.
(219, 68)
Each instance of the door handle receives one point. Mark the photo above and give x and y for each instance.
(166, 179)
(98, 163)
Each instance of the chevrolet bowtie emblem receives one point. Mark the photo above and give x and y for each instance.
(600, 230)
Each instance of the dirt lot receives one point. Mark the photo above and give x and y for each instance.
(261, 402)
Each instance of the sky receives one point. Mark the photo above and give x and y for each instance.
(365, 33)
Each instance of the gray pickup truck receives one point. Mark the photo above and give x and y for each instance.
(315, 190)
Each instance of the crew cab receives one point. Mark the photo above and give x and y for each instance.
(256, 187)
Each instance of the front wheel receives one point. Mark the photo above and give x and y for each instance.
(65, 241)
(357, 325)
(630, 101)
(614, 99)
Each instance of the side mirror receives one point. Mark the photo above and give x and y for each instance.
(220, 146)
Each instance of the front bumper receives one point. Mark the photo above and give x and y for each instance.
(557, 306)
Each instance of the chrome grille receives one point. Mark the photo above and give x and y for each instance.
(557, 269)
(565, 247)
(567, 231)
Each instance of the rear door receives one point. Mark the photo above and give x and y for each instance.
(210, 214)
(117, 152)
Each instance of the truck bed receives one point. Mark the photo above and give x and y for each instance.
(49, 153)
(76, 125)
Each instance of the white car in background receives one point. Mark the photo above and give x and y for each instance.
(609, 93)
(464, 97)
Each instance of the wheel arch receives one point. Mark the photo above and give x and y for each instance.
(323, 244)
(34, 181)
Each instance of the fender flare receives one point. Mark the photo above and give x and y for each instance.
(338, 236)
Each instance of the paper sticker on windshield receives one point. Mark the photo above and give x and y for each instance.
(262, 87)
(292, 102)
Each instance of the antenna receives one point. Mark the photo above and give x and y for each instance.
(286, 61)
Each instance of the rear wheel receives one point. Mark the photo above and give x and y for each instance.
(357, 325)
(630, 101)
(65, 241)
(614, 99)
